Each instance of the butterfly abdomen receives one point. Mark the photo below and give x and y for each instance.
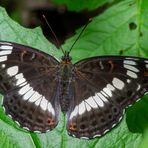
(65, 83)
(64, 97)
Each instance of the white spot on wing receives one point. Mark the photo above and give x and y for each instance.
(17, 123)
(98, 135)
(74, 112)
(34, 97)
(84, 138)
(98, 101)
(132, 68)
(26, 128)
(130, 62)
(47, 130)
(131, 74)
(91, 102)
(19, 76)
(88, 108)
(118, 83)
(102, 97)
(73, 135)
(5, 43)
(12, 70)
(101, 65)
(103, 93)
(82, 108)
(50, 108)
(38, 132)
(106, 131)
(37, 103)
(5, 52)
(44, 104)
(128, 80)
(132, 58)
(107, 91)
(114, 125)
(139, 86)
(10, 116)
(20, 81)
(120, 119)
(6, 47)
(3, 65)
(28, 94)
(110, 87)
(3, 58)
(24, 89)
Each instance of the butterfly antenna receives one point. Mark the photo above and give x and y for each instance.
(80, 34)
(53, 33)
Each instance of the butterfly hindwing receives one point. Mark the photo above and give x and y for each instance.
(29, 87)
(93, 92)
(104, 87)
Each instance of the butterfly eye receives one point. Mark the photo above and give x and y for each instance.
(66, 58)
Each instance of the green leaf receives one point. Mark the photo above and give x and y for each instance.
(122, 29)
(111, 33)
(79, 5)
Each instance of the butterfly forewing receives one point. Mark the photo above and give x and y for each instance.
(93, 92)
(28, 83)
(103, 87)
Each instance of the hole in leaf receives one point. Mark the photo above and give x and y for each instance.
(132, 3)
(140, 34)
(121, 52)
(132, 26)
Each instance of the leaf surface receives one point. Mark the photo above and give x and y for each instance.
(120, 30)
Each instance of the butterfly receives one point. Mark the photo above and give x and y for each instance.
(92, 93)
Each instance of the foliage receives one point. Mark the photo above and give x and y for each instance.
(78, 5)
(121, 29)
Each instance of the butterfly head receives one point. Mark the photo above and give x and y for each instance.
(66, 58)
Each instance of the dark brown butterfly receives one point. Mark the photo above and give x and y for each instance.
(92, 92)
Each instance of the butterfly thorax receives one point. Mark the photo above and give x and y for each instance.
(65, 81)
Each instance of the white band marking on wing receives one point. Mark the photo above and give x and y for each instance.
(12, 71)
